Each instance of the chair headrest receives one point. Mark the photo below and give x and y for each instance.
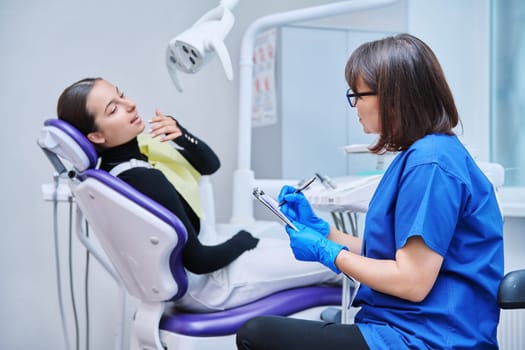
(63, 139)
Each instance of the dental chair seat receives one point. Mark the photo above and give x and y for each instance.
(227, 322)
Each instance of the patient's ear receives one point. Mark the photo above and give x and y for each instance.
(96, 137)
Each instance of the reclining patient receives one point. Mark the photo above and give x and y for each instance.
(235, 272)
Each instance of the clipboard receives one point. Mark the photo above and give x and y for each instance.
(273, 206)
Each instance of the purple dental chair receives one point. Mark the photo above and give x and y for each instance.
(142, 244)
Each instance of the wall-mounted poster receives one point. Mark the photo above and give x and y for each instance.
(264, 102)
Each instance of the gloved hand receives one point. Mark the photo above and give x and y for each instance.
(297, 208)
(310, 245)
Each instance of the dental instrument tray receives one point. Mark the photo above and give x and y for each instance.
(273, 206)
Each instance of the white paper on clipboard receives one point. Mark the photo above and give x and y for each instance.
(273, 206)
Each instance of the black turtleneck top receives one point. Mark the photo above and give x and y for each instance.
(197, 258)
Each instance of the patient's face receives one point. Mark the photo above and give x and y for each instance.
(116, 116)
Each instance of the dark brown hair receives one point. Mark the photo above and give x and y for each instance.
(72, 108)
(414, 97)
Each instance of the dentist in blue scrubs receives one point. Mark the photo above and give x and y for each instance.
(430, 259)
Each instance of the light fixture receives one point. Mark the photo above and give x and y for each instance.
(189, 51)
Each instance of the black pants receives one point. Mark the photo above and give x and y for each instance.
(276, 333)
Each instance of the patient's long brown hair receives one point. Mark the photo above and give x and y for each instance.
(72, 108)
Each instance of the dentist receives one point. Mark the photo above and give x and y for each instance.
(431, 256)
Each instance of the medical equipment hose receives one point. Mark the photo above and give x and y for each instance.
(83, 236)
(70, 265)
(86, 291)
(57, 265)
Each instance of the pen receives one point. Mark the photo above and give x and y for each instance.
(302, 188)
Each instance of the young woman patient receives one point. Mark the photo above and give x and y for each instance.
(232, 273)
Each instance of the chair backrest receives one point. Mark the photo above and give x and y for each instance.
(511, 292)
(142, 239)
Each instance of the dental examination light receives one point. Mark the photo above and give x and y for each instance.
(192, 49)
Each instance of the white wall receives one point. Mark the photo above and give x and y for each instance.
(46, 45)
(458, 32)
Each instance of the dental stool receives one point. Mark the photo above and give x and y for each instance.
(142, 245)
(511, 292)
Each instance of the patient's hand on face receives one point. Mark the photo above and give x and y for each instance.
(164, 126)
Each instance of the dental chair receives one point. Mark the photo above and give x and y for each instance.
(141, 245)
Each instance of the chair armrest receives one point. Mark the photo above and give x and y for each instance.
(511, 292)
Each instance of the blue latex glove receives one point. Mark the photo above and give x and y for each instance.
(297, 208)
(310, 245)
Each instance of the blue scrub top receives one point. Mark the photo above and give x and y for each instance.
(436, 191)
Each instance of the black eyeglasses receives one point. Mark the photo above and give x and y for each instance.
(352, 97)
